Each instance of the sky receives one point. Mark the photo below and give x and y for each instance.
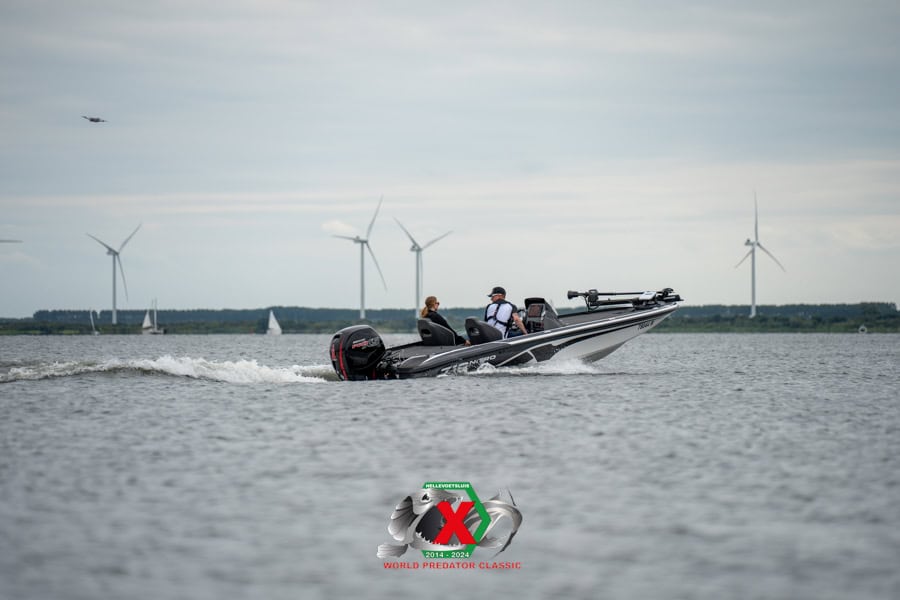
(615, 145)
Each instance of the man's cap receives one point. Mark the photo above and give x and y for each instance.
(497, 290)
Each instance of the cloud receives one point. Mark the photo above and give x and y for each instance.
(335, 227)
(18, 258)
(589, 142)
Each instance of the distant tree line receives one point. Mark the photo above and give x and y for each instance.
(226, 315)
(803, 311)
(875, 316)
(826, 318)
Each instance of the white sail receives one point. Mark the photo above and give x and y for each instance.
(274, 327)
(150, 326)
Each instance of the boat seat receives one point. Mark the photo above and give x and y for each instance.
(480, 332)
(433, 334)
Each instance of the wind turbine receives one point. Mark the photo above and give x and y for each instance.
(418, 250)
(116, 258)
(363, 244)
(754, 244)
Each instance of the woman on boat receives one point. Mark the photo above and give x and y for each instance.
(430, 312)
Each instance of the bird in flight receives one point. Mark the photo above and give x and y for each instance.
(94, 119)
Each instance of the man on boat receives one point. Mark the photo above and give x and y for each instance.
(501, 314)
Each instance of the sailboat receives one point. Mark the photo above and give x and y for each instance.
(150, 327)
(274, 327)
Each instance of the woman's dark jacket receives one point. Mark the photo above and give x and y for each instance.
(434, 317)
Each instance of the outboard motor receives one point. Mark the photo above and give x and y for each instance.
(355, 351)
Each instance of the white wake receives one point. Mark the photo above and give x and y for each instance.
(240, 371)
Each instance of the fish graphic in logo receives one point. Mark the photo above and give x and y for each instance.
(438, 521)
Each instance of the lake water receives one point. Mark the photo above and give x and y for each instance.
(681, 466)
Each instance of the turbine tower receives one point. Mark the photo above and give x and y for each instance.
(418, 250)
(363, 244)
(754, 244)
(116, 258)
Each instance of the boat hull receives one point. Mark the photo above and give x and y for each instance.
(586, 342)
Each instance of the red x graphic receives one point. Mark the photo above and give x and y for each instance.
(454, 523)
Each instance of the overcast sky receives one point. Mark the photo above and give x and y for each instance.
(566, 145)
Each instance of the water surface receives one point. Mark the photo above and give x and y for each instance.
(681, 466)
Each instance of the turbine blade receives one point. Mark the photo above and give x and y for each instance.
(755, 218)
(122, 271)
(408, 234)
(130, 236)
(375, 260)
(10, 241)
(772, 256)
(346, 237)
(436, 239)
(104, 244)
(743, 259)
(372, 224)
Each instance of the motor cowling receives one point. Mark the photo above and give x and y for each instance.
(355, 351)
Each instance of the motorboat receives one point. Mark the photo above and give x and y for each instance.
(608, 320)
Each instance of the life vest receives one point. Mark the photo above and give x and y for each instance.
(491, 317)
